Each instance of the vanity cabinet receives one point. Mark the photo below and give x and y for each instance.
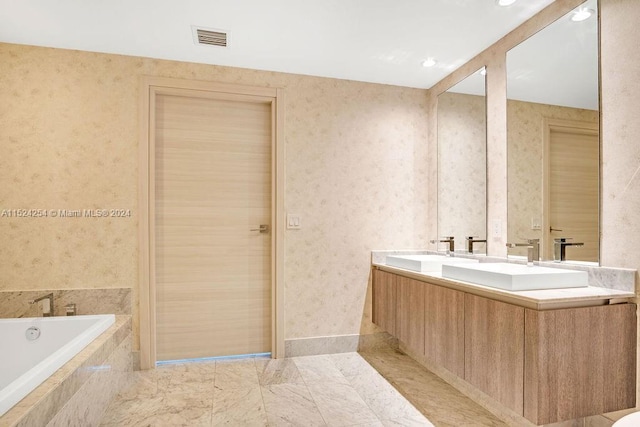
(384, 300)
(410, 313)
(494, 349)
(444, 327)
(548, 365)
(579, 362)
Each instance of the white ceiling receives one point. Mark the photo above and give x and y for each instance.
(380, 41)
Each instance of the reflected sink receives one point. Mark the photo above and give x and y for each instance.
(424, 263)
(516, 277)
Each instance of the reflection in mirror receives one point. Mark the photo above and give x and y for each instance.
(553, 139)
(462, 165)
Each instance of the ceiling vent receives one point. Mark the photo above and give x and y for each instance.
(210, 37)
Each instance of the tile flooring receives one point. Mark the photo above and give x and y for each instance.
(326, 390)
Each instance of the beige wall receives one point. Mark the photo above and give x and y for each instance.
(356, 173)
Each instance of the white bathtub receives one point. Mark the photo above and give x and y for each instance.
(25, 363)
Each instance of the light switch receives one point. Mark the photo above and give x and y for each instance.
(535, 224)
(293, 222)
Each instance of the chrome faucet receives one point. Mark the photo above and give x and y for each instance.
(559, 247)
(533, 249)
(47, 309)
(471, 240)
(449, 240)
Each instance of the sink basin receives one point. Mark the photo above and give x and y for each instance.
(424, 263)
(516, 277)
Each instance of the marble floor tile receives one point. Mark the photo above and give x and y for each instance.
(161, 410)
(236, 373)
(319, 368)
(350, 364)
(341, 405)
(278, 371)
(192, 377)
(239, 406)
(291, 405)
(408, 422)
(383, 399)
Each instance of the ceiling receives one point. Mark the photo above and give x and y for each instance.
(378, 41)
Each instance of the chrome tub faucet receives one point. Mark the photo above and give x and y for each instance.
(47, 306)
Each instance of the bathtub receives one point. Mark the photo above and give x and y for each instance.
(34, 348)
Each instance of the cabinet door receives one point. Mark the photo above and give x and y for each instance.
(444, 327)
(384, 300)
(494, 349)
(410, 313)
(579, 362)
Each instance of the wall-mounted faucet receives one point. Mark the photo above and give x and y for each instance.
(449, 240)
(471, 240)
(559, 246)
(533, 249)
(47, 305)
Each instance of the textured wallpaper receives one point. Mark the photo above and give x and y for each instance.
(356, 173)
(462, 167)
(524, 163)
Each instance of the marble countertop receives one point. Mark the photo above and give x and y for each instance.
(547, 299)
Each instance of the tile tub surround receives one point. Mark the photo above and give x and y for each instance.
(117, 301)
(621, 279)
(97, 372)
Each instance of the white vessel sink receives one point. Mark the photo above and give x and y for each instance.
(516, 277)
(424, 263)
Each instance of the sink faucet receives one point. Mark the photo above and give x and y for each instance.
(533, 249)
(471, 240)
(449, 240)
(559, 246)
(47, 308)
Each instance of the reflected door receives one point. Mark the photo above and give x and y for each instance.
(213, 193)
(573, 189)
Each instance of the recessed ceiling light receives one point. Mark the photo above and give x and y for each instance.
(505, 2)
(429, 62)
(582, 14)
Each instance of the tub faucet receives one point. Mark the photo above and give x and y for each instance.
(559, 246)
(533, 249)
(47, 307)
(471, 240)
(449, 240)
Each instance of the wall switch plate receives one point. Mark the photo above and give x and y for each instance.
(496, 229)
(293, 222)
(535, 224)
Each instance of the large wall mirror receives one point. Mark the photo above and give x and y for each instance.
(553, 138)
(462, 163)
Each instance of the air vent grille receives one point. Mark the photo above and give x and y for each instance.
(212, 38)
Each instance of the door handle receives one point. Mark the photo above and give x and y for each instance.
(551, 229)
(264, 228)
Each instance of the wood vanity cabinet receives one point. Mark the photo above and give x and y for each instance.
(384, 300)
(494, 349)
(579, 362)
(410, 313)
(546, 365)
(444, 327)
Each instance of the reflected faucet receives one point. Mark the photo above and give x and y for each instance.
(471, 240)
(559, 247)
(449, 240)
(47, 308)
(533, 249)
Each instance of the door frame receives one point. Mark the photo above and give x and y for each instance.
(549, 125)
(150, 88)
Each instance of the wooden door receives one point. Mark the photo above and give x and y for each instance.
(410, 313)
(212, 193)
(573, 189)
(384, 300)
(444, 327)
